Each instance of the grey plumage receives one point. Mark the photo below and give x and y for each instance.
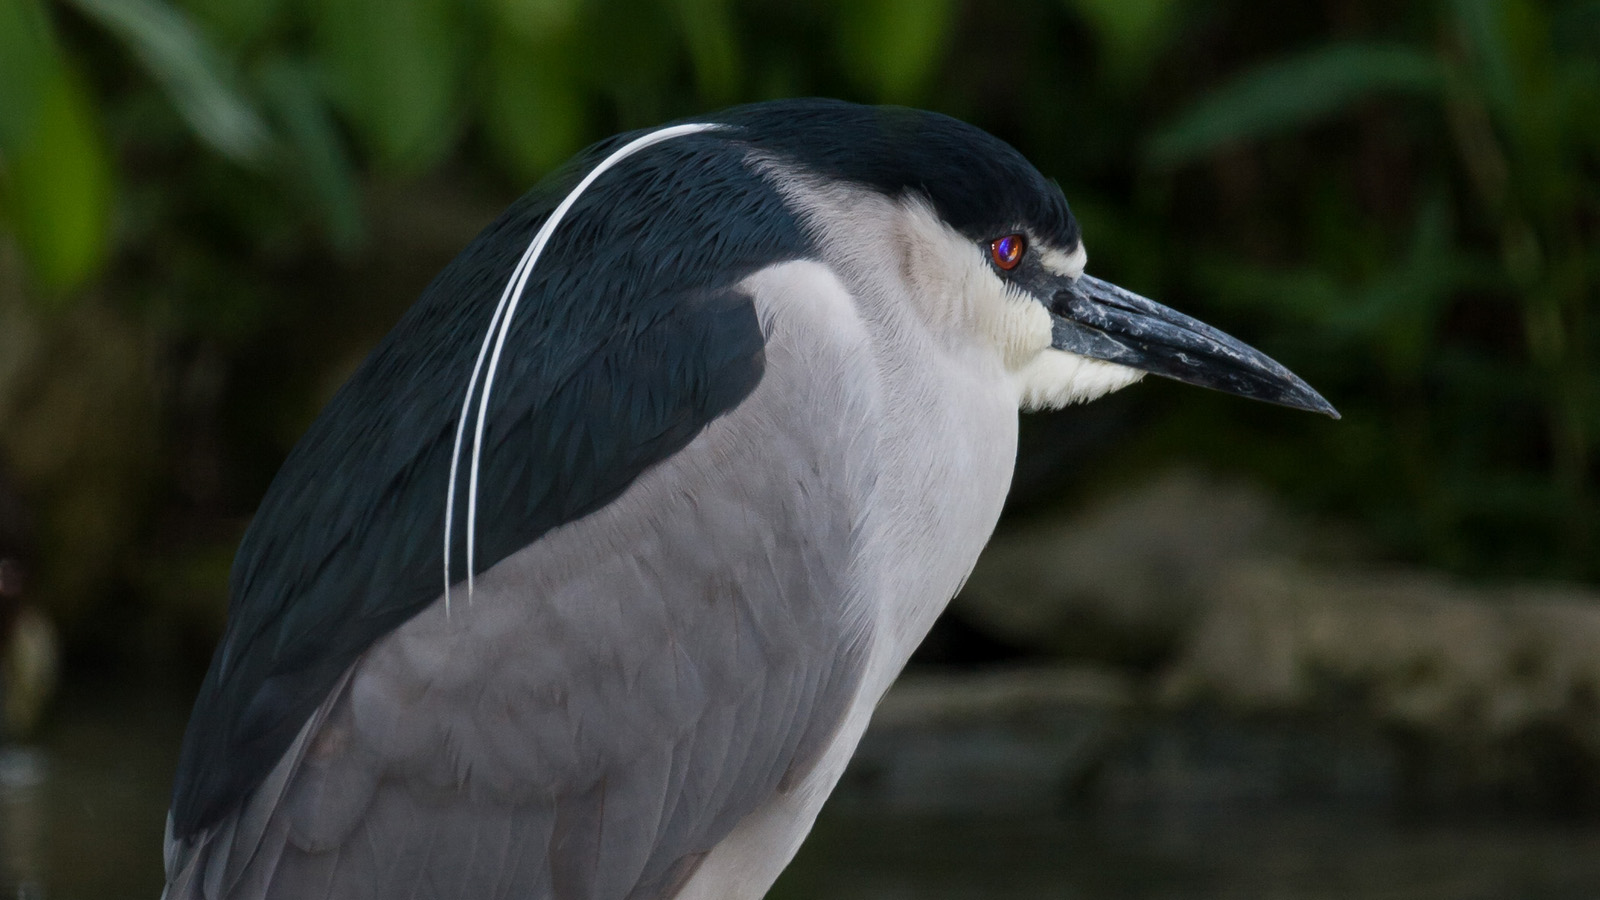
(615, 697)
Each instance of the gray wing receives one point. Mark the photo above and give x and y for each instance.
(613, 699)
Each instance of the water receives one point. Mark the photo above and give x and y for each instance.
(82, 813)
(81, 818)
(1276, 856)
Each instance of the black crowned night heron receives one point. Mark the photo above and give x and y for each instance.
(587, 583)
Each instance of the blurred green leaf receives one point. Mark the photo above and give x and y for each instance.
(235, 24)
(1131, 33)
(317, 153)
(1400, 309)
(708, 30)
(893, 46)
(537, 19)
(1307, 294)
(535, 115)
(191, 72)
(1575, 28)
(1288, 94)
(1484, 24)
(630, 58)
(1394, 312)
(395, 69)
(29, 61)
(55, 178)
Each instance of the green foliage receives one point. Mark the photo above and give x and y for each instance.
(708, 32)
(313, 155)
(892, 46)
(55, 182)
(192, 74)
(1131, 33)
(395, 69)
(1478, 327)
(535, 113)
(1289, 94)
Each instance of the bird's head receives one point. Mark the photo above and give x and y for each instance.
(989, 244)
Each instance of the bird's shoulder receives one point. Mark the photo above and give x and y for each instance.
(691, 648)
(632, 335)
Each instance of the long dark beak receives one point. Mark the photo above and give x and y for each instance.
(1098, 319)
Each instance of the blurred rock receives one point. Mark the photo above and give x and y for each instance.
(29, 657)
(80, 440)
(1125, 581)
(30, 662)
(1407, 648)
(1009, 740)
(1052, 739)
(1221, 651)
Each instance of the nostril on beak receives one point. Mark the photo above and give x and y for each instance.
(1064, 302)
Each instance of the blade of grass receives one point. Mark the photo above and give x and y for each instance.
(316, 151)
(55, 174)
(1282, 96)
(193, 74)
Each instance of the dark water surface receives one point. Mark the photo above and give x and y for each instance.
(81, 818)
(1266, 857)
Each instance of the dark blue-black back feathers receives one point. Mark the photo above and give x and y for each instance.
(631, 336)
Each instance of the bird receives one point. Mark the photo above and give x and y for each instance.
(587, 582)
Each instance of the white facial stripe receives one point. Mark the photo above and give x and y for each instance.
(1055, 378)
(500, 326)
(1067, 265)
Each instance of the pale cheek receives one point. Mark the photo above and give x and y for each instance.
(1018, 325)
(1056, 378)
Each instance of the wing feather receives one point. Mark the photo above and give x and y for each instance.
(626, 685)
(604, 375)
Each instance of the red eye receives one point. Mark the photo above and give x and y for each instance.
(1007, 251)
